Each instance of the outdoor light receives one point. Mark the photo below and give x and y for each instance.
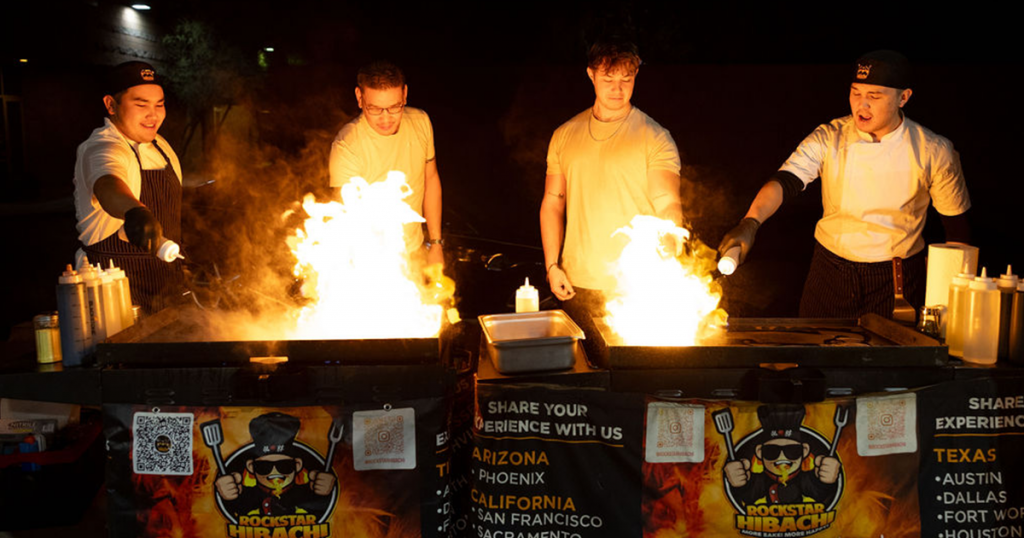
(268, 49)
(141, 7)
(23, 60)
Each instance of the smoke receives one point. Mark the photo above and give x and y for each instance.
(237, 222)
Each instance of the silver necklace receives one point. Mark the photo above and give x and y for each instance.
(590, 126)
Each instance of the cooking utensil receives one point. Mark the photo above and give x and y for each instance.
(902, 312)
(724, 425)
(334, 436)
(840, 420)
(213, 436)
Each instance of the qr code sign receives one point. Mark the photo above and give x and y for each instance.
(890, 421)
(675, 433)
(162, 443)
(887, 425)
(384, 439)
(384, 436)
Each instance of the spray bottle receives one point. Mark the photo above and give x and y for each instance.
(73, 312)
(527, 299)
(1007, 285)
(981, 342)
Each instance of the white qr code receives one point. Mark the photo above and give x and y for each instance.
(675, 433)
(162, 443)
(384, 439)
(887, 425)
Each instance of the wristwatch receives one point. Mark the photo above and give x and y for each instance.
(431, 242)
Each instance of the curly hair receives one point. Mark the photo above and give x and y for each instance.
(613, 54)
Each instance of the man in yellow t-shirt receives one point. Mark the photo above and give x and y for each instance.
(391, 136)
(606, 165)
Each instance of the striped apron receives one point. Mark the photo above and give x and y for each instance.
(155, 284)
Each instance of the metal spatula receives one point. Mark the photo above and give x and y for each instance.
(902, 312)
(723, 423)
(213, 436)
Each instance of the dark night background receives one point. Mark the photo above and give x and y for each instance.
(737, 87)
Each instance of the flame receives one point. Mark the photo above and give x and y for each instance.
(659, 299)
(352, 257)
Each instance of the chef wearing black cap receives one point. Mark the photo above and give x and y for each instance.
(128, 187)
(879, 171)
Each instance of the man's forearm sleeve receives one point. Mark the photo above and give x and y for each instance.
(791, 185)
(958, 228)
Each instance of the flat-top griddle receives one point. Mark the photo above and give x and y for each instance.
(177, 337)
(750, 342)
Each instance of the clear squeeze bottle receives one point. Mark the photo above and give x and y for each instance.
(111, 307)
(1017, 326)
(956, 324)
(125, 300)
(527, 299)
(73, 312)
(1007, 285)
(981, 342)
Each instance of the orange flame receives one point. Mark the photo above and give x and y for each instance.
(661, 300)
(352, 257)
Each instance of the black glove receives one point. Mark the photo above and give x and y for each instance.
(742, 236)
(142, 229)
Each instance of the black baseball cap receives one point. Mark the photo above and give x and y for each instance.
(883, 68)
(128, 74)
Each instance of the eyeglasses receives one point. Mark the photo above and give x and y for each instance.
(266, 467)
(377, 111)
(792, 452)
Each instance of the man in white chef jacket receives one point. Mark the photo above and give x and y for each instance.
(879, 171)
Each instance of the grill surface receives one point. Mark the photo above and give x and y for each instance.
(176, 337)
(749, 342)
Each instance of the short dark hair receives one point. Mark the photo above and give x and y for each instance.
(380, 75)
(612, 54)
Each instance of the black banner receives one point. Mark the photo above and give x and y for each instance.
(972, 444)
(555, 463)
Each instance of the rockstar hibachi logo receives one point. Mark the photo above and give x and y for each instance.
(784, 479)
(275, 485)
(863, 71)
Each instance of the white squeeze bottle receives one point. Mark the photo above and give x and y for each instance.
(981, 343)
(169, 251)
(956, 325)
(527, 299)
(95, 296)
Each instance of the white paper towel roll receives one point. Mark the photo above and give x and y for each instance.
(945, 260)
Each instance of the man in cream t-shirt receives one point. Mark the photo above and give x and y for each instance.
(390, 136)
(606, 165)
(880, 170)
